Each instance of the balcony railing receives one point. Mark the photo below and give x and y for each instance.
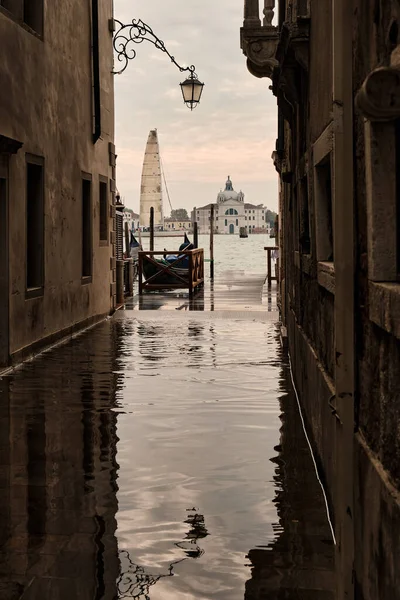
(252, 13)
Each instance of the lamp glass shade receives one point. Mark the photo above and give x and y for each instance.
(192, 89)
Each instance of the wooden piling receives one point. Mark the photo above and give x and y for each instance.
(195, 234)
(120, 281)
(152, 229)
(269, 267)
(270, 276)
(212, 242)
(127, 241)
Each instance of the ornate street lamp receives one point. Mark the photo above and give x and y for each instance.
(129, 34)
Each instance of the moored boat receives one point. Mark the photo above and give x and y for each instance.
(178, 266)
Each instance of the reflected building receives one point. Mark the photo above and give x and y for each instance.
(58, 477)
(299, 562)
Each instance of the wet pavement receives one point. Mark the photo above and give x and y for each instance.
(160, 455)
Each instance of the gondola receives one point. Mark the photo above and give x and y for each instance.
(175, 274)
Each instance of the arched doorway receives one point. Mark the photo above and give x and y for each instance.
(231, 228)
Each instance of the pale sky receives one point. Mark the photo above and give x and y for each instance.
(232, 131)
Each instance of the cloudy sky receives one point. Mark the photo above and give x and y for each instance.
(232, 131)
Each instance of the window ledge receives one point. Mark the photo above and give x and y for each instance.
(306, 263)
(35, 292)
(384, 306)
(87, 279)
(303, 262)
(103, 243)
(326, 276)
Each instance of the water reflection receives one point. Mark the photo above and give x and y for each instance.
(299, 562)
(58, 470)
(135, 580)
(197, 435)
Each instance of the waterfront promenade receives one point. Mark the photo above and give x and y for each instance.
(160, 455)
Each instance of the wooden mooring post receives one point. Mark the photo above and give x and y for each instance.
(270, 277)
(195, 234)
(127, 241)
(152, 229)
(212, 242)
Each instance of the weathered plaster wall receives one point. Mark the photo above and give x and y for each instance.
(377, 528)
(315, 389)
(48, 107)
(320, 108)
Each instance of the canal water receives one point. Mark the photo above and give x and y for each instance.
(160, 455)
(230, 251)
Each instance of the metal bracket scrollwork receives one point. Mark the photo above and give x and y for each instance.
(129, 34)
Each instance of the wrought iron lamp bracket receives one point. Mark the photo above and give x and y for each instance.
(128, 34)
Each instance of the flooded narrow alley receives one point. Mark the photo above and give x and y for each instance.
(160, 455)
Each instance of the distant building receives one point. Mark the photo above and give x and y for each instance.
(177, 224)
(231, 213)
(131, 218)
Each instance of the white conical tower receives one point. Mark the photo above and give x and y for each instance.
(151, 188)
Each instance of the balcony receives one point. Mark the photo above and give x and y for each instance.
(270, 49)
(259, 41)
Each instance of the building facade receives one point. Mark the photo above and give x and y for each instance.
(57, 170)
(335, 71)
(177, 225)
(131, 218)
(232, 213)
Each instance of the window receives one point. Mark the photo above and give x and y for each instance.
(34, 223)
(86, 227)
(237, 221)
(15, 8)
(254, 218)
(33, 15)
(323, 210)
(304, 217)
(29, 12)
(231, 211)
(103, 212)
(226, 222)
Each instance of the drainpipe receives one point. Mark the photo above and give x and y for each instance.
(343, 218)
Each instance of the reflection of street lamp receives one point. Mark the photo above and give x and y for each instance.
(135, 33)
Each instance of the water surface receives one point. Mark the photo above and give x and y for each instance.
(160, 457)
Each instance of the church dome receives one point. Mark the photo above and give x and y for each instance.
(229, 193)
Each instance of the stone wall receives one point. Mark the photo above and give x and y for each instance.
(377, 477)
(357, 450)
(48, 107)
